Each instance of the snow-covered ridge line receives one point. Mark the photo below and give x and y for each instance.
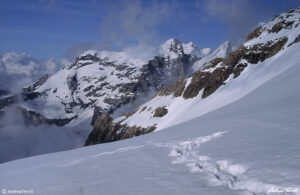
(223, 81)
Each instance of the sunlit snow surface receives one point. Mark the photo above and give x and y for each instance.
(250, 146)
(254, 75)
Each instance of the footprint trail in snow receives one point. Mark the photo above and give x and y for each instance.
(216, 172)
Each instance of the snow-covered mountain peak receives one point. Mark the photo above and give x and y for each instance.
(114, 58)
(107, 80)
(171, 48)
(191, 49)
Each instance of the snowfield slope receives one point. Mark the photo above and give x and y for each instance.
(250, 146)
(268, 51)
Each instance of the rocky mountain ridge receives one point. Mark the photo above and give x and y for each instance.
(219, 82)
(104, 81)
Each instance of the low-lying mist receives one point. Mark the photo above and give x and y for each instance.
(18, 140)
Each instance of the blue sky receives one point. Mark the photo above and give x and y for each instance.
(53, 28)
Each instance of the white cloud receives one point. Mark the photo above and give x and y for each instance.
(18, 70)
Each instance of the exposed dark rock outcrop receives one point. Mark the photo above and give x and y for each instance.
(281, 25)
(32, 95)
(29, 92)
(103, 130)
(260, 52)
(209, 82)
(72, 83)
(36, 84)
(256, 33)
(176, 46)
(106, 131)
(199, 80)
(160, 112)
(239, 68)
(97, 113)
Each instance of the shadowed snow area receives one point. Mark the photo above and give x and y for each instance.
(250, 146)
